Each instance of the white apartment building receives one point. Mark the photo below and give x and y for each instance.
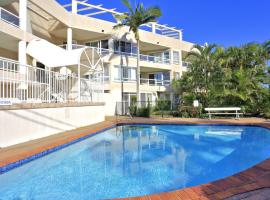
(55, 55)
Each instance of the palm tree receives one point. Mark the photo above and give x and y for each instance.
(203, 59)
(266, 48)
(133, 19)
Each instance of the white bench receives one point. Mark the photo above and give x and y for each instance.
(224, 111)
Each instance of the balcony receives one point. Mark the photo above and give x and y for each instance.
(91, 10)
(105, 52)
(27, 84)
(143, 81)
(155, 59)
(9, 17)
(155, 82)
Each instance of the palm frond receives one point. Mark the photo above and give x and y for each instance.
(154, 11)
(128, 5)
(118, 26)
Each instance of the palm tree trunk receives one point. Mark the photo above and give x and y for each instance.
(138, 73)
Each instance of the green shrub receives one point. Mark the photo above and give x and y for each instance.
(163, 105)
(175, 113)
(144, 111)
(162, 113)
(190, 111)
(133, 106)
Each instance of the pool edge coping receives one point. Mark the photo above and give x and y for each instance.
(190, 191)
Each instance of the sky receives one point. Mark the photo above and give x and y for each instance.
(223, 22)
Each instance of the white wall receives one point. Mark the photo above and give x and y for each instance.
(110, 101)
(21, 125)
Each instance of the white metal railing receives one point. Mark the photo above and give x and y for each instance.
(155, 59)
(144, 81)
(103, 52)
(143, 57)
(9, 17)
(28, 84)
(155, 82)
(130, 80)
(91, 10)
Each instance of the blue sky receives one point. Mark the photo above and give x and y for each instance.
(224, 22)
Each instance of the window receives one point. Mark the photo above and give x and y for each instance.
(128, 73)
(92, 44)
(166, 76)
(176, 59)
(145, 97)
(73, 42)
(106, 74)
(104, 44)
(125, 47)
(166, 56)
(163, 57)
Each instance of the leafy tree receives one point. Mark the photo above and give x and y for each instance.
(233, 76)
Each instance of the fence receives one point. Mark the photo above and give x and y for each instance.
(123, 108)
(27, 84)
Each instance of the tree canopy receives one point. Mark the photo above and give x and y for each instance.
(233, 76)
(136, 17)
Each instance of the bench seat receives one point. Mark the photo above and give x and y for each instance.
(224, 111)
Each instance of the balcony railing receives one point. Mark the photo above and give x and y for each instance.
(144, 81)
(9, 17)
(155, 82)
(28, 84)
(155, 59)
(143, 57)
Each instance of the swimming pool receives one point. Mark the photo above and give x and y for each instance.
(136, 160)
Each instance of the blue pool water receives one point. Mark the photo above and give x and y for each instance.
(137, 160)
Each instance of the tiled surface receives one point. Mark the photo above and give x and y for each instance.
(261, 194)
(255, 178)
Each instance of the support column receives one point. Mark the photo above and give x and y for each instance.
(154, 27)
(74, 6)
(180, 35)
(74, 10)
(23, 25)
(22, 92)
(171, 57)
(22, 52)
(23, 14)
(171, 92)
(79, 83)
(111, 45)
(69, 39)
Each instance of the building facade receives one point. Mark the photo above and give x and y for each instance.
(35, 70)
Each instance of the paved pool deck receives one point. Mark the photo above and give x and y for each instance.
(251, 184)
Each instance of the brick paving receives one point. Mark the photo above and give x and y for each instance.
(251, 183)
